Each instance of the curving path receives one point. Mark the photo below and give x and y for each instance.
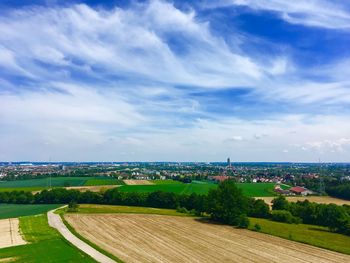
(55, 221)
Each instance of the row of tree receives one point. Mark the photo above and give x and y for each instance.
(341, 190)
(336, 218)
(225, 204)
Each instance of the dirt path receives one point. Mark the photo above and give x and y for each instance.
(9, 233)
(155, 238)
(55, 221)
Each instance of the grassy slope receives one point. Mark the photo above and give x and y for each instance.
(14, 210)
(309, 234)
(46, 244)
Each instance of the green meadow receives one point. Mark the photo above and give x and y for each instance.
(16, 210)
(199, 187)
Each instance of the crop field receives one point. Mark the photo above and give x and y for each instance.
(316, 199)
(158, 238)
(42, 183)
(199, 187)
(45, 244)
(16, 210)
(138, 182)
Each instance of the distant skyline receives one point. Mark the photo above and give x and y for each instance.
(256, 81)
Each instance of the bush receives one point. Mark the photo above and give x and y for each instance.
(72, 206)
(243, 221)
(257, 227)
(258, 208)
(285, 217)
(182, 210)
(279, 203)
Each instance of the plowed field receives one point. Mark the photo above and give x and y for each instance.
(156, 238)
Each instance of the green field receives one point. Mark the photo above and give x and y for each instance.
(46, 244)
(199, 187)
(257, 189)
(177, 187)
(109, 181)
(42, 183)
(14, 210)
(308, 234)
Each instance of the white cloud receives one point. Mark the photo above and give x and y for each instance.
(317, 13)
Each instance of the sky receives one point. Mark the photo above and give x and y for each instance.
(175, 80)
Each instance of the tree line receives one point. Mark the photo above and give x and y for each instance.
(335, 217)
(225, 204)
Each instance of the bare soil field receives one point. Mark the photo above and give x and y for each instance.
(137, 182)
(316, 199)
(95, 188)
(9, 233)
(156, 238)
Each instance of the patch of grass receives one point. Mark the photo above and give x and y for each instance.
(111, 209)
(16, 210)
(257, 189)
(308, 234)
(111, 181)
(46, 244)
(71, 229)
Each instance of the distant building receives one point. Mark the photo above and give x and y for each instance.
(300, 190)
(219, 178)
(228, 162)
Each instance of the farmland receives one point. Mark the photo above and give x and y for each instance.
(42, 183)
(157, 238)
(45, 244)
(199, 187)
(16, 210)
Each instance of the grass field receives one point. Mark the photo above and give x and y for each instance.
(46, 244)
(199, 187)
(109, 181)
(257, 189)
(43, 183)
(178, 188)
(14, 210)
(309, 234)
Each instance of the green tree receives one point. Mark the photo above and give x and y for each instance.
(227, 204)
(280, 203)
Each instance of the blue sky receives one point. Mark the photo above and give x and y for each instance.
(175, 80)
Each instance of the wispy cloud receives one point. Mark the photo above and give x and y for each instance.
(317, 13)
(152, 81)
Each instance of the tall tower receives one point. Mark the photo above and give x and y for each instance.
(228, 162)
